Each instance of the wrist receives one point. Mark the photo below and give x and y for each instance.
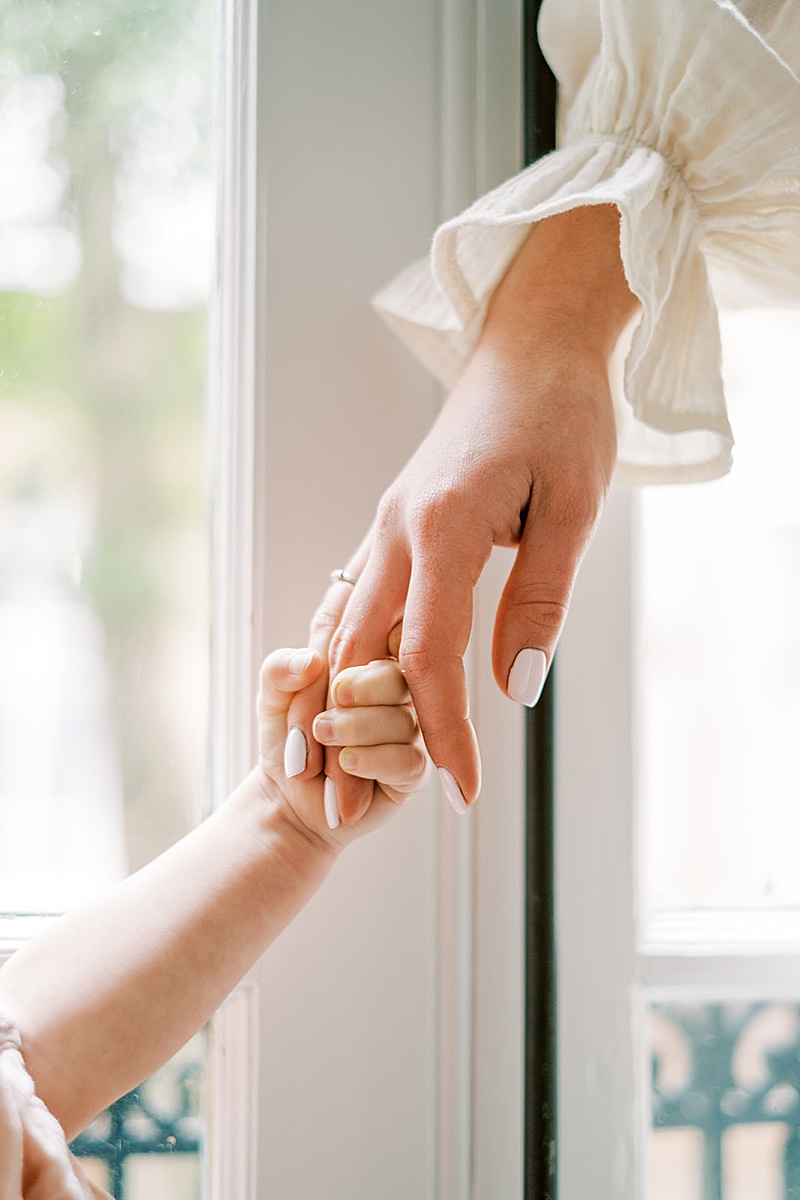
(270, 817)
(566, 289)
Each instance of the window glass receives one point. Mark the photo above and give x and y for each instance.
(718, 650)
(725, 1101)
(149, 1145)
(106, 239)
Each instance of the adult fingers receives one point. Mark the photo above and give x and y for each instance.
(304, 757)
(436, 629)
(373, 608)
(534, 604)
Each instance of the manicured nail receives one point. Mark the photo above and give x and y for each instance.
(452, 790)
(323, 729)
(294, 753)
(300, 662)
(331, 806)
(348, 760)
(526, 677)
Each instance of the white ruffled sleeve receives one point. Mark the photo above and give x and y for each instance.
(687, 117)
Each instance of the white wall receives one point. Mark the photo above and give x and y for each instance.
(390, 1013)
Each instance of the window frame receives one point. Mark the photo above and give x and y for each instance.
(470, 969)
(611, 966)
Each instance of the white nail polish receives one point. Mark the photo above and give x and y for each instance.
(294, 753)
(331, 806)
(526, 677)
(452, 790)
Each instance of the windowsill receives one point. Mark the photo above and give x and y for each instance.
(722, 931)
(18, 928)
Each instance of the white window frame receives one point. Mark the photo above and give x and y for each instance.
(612, 967)
(429, 1073)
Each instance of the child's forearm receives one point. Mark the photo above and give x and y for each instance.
(113, 989)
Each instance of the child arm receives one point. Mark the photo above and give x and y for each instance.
(110, 991)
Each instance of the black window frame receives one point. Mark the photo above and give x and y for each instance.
(540, 1134)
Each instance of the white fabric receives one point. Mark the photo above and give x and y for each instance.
(35, 1163)
(686, 115)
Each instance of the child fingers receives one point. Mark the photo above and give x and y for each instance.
(402, 767)
(379, 682)
(284, 672)
(366, 726)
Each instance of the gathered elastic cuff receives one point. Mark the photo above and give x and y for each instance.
(672, 421)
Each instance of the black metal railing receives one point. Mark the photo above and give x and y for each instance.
(162, 1117)
(720, 1067)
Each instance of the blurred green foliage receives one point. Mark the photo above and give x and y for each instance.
(123, 385)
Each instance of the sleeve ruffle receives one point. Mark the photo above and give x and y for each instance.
(688, 122)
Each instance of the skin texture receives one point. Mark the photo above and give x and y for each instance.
(109, 992)
(521, 455)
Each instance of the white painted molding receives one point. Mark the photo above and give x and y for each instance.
(599, 1083)
(233, 1047)
(232, 1096)
(16, 930)
(232, 400)
(497, 1043)
(455, 851)
(292, 348)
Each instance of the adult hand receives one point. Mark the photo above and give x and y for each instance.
(522, 454)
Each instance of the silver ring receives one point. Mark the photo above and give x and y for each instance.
(343, 576)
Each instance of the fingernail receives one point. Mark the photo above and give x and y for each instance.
(323, 729)
(294, 753)
(331, 806)
(526, 677)
(452, 790)
(300, 662)
(342, 693)
(348, 760)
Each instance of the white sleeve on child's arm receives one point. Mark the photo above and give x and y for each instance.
(33, 1149)
(686, 116)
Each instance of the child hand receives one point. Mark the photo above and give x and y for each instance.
(373, 721)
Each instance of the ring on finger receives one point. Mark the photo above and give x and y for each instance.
(344, 576)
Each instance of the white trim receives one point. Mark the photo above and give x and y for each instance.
(233, 1048)
(455, 853)
(232, 1092)
(599, 1068)
(455, 1002)
(480, 931)
(733, 931)
(719, 976)
(232, 404)
(499, 819)
(16, 930)
(443, 894)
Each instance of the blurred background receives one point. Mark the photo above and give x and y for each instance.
(106, 248)
(106, 254)
(717, 686)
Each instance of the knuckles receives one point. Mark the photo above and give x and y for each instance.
(542, 615)
(345, 647)
(325, 620)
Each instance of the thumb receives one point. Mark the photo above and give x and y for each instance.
(535, 600)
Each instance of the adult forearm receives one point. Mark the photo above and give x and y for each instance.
(113, 989)
(566, 284)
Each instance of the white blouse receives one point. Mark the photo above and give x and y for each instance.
(686, 115)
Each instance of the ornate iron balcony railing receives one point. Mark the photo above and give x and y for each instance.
(138, 1124)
